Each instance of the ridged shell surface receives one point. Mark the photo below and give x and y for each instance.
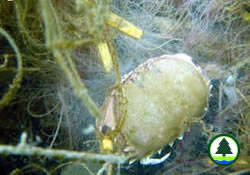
(165, 96)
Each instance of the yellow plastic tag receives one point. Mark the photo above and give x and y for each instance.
(124, 26)
(105, 56)
(107, 144)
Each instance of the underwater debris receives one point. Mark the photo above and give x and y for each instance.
(215, 33)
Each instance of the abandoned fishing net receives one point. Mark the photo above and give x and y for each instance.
(122, 86)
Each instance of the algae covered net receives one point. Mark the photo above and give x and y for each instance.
(63, 61)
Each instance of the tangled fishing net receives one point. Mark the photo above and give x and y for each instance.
(60, 59)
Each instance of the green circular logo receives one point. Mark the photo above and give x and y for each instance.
(224, 149)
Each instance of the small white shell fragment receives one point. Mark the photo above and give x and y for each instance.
(159, 152)
(171, 144)
(180, 138)
(210, 87)
(131, 161)
(152, 161)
